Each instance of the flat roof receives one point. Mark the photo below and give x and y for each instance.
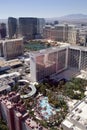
(82, 110)
(14, 62)
(60, 25)
(70, 125)
(77, 116)
(9, 75)
(57, 48)
(49, 50)
(82, 48)
(3, 63)
(10, 40)
(67, 123)
(4, 87)
(10, 63)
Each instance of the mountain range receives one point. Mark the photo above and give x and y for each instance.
(70, 17)
(3, 20)
(66, 18)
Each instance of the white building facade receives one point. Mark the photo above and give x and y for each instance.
(11, 48)
(56, 59)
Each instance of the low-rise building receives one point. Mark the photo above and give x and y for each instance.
(6, 65)
(8, 80)
(77, 119)
(11, 49)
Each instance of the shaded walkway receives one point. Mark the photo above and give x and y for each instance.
(33, 89)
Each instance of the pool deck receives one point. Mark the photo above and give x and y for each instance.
(44, 109)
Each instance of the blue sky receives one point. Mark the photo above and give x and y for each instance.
(41, 8)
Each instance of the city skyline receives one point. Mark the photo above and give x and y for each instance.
(40, 8)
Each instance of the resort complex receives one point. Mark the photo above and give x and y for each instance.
(43, 75)
(39, 88)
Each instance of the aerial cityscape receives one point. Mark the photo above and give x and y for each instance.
(43, 65)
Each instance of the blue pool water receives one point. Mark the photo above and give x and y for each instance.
(47, 110)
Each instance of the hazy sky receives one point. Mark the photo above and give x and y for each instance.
(41, 8)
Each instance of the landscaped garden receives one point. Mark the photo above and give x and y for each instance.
(48, 106)
(3, 125)
(36, 45)
(75, 88)
(25, 90)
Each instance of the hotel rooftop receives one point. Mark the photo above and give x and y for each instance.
(59, 47)
(77, 119)
(50, 50)
(10, 40)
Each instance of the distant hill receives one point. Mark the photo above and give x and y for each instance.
(70, 17)
(67, 18)
(3, 21)
(74, 16)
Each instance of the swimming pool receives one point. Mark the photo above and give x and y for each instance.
(47, 110)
